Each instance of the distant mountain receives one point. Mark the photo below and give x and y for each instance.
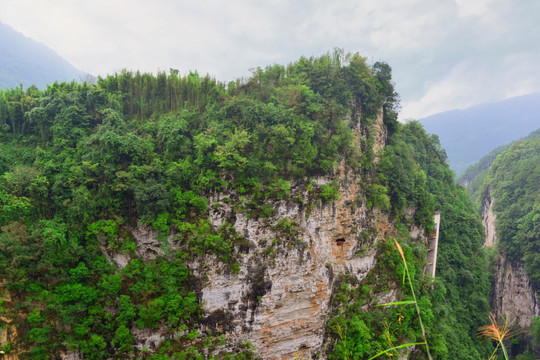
(475, 175)
(469, 134)
(28, 62)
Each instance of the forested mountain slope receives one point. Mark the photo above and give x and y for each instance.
(178, 217)
(508, 194)
(28, 62)
(514, 179)
(474, 176)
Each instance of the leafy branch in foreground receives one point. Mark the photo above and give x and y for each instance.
(407, 302)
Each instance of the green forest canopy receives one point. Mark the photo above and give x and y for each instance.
(514, 180)
(81, 162)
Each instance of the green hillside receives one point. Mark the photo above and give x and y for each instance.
(82, 164)
(475, 175)
(514, 179)
(510, 176)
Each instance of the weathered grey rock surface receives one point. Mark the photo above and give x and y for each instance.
(279, 298)
(488, 219)
(512, 294)
(288, 319)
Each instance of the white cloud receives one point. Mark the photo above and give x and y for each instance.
(443, 52)
(474, 7)
(453, 88)
(470, 83)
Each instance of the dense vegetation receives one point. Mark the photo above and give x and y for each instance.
(514, 179)
(474, 176)
(510, 175)
(82, 164)
(456, 303)
(462, 263)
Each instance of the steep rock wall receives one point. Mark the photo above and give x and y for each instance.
(287, 317)
(278, 298)
(380, 135)
(488, 219)
(512, 293)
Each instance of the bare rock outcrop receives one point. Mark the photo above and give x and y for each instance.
(380, 135)
(278, 296)
(513, 293)
(279, 299)
(488, 219)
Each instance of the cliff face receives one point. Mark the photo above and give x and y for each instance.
(488, 219)
(278, 298)
(512, 291)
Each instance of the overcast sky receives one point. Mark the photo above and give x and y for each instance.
(445, 54)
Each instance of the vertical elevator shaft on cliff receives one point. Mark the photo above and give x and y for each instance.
(433, 245)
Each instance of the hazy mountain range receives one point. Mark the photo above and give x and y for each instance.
(28, 62)
(474, 176)
(467, 135)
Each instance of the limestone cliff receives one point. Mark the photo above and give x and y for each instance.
(278, 299)
(512, 293)
(488, 219)
(380, 135)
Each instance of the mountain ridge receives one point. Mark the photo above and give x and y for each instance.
(468, 134)
(29, 62)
